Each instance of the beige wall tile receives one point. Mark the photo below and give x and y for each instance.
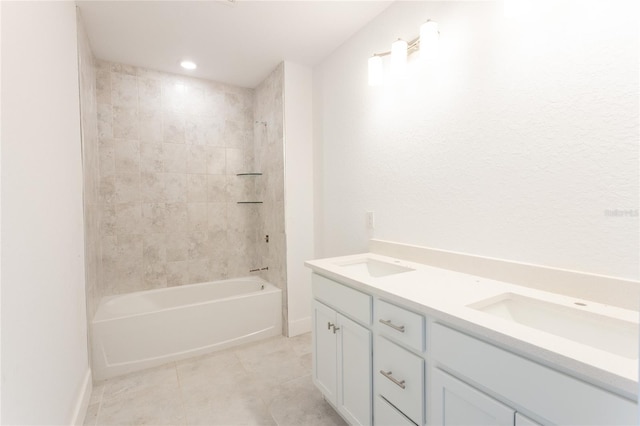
(217, 189)
(197, 159)
(107, 161)
(124, 91)
(123, 69)
(149, 93)
(196, 188)
(125, 123)
(107, 189)
(128, 219)
(154, 275)
(127, 156)
(198, 245)
(216, 160)
(194, 102)
(150, 125)
(238, 161)
(173, 127)
(177, 273)
(169, 150)
(103, 87)
(175, 157)
(127, 187)
(177, 217)
(154, 249)
(151, 157)
(216, 217)
(153, 218)
(199, 271)
(108, 220)
(105, 121)
(176, 187)
(197, 215)
(213, 130)
(152, 187)
(177, 246)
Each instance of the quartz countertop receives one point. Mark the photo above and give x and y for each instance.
(444, 295)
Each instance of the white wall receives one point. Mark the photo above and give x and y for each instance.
(512, 147)
(298, 193)
(45, 368)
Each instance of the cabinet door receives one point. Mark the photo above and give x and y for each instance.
(455, 403)
(354, 371)
(324, 350)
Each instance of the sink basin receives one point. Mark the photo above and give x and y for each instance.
(374, 268)
(609, 334)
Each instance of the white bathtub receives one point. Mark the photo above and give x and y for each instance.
(140, 330)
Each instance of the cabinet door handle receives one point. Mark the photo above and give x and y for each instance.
(329, 325)
(388, 323)
(335, 328)
(388, 375)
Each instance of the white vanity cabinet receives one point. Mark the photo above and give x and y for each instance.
(543, 393)
(342, 349)
(383, 362)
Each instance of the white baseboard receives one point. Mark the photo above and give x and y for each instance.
(82, 401)
(299, 326)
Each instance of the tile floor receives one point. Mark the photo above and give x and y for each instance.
(262, 383)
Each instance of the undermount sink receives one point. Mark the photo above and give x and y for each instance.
(606, 333)
(374, 268)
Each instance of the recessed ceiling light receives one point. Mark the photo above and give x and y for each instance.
(188, 65)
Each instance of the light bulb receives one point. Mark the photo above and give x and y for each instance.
(375, 71)
(398, 58)
(429, 36)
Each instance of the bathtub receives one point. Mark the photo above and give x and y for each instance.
(144, 329)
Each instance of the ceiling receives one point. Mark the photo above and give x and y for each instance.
(236, 42)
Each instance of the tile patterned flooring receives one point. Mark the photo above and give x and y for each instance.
(261, 383)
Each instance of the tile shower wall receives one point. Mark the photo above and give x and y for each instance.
(91, 177)
(269, 159)
(170, 148)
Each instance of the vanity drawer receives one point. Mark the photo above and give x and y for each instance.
(399, 378)
(386, 414)
(400, 324)
(353, 303)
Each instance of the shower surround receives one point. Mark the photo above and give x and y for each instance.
(170, 148)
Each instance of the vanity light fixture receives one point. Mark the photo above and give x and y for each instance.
(426, 43)
(188, 65)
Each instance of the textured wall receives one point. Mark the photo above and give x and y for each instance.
(170, 148)
(269, 160)
(515, 145)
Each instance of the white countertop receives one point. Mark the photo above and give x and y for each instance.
(444, 295)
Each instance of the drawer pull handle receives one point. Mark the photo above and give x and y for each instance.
(388, 323)
(388, 375)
